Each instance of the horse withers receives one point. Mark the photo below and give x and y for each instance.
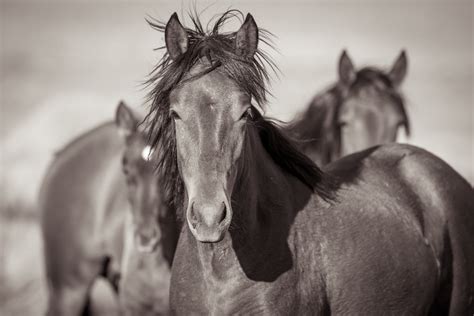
(387, 230)
(99, 188)
(363, 109)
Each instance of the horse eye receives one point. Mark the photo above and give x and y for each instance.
(174, 115)
(248, 114)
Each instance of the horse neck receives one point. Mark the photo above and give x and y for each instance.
(264, 202)
(170, 228)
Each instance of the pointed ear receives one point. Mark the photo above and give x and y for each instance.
(125, 120)
(399, 69)
(176, 37)
(347, 73)
(246, 39)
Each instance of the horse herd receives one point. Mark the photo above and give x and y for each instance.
(205, 206)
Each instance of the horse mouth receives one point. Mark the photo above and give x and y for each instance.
(206, 234)
(148, 246)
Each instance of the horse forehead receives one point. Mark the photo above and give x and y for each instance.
(369, 98)
(213, 86)
(210, 95)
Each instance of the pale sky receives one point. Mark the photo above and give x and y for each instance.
(66, 64)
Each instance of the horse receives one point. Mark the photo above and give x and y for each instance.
(363, 109)
(99, 193)
(387, 230)
(148, 249)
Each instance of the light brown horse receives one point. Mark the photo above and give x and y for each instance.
(363, 109)
(85, 198)
(388, 230)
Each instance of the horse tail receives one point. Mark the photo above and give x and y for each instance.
(442, 302)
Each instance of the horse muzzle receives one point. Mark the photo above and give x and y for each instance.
(147, 242)
(209, 221)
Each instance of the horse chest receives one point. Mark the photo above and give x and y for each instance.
(204, 293)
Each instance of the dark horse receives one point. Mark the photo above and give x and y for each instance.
(363, 109)
(388, 230)
(98, 188)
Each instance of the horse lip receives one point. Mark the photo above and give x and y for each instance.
(204, 235)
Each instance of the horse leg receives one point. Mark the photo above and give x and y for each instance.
(68, 300)
(111, 273)
(103, 301)
(70, 289)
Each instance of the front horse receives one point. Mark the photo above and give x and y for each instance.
(384, 231)
(363, 109)
(97, 184)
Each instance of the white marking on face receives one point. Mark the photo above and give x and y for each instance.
(147, 152)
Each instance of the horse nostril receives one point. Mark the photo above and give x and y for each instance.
(144, 239)
(147, 238)
(193, 218)
(223, 213)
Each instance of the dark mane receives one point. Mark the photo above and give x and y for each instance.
(318, 125)
(218, 48)
(289, 158)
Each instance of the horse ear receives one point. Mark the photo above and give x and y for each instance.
(176, 37)
(246, 39)
(347, 73)
(399, 69)
(125, 120)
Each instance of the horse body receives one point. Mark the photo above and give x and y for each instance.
(103, 216)
(385, 231)
(352, 256)
(83, 199)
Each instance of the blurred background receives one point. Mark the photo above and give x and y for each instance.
(66, 64)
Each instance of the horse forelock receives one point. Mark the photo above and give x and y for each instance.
(380, 81)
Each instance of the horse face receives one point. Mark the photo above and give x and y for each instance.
(209, 118)
(372, 112)
(366, 119)
(209, 111)
(142, 186)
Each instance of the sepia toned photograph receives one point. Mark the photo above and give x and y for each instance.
(236, 157)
